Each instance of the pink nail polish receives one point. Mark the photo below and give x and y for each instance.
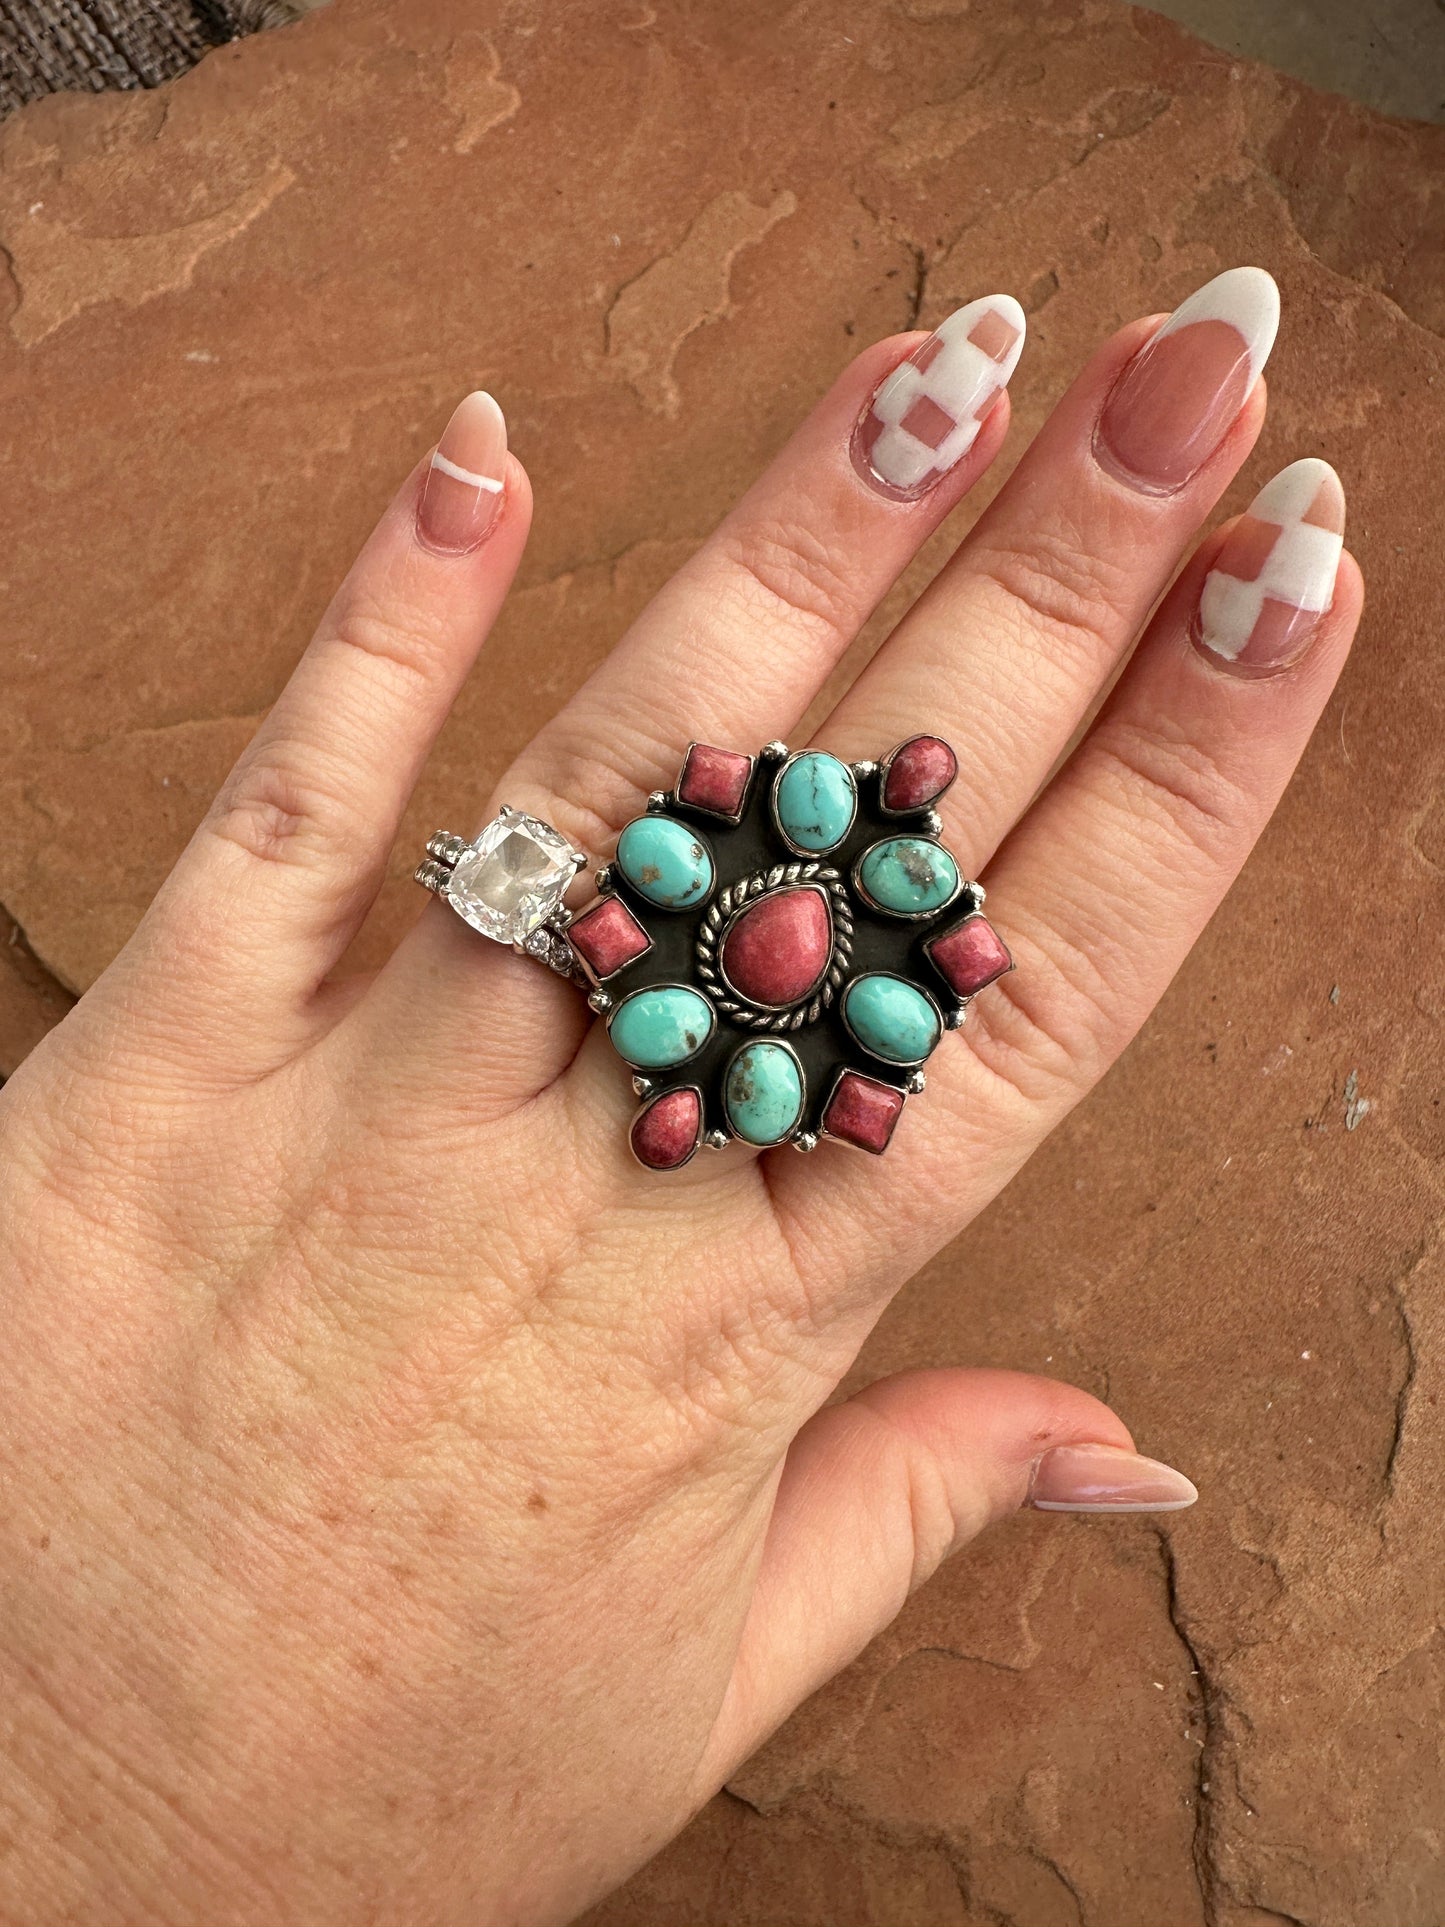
(925, 416)
(463, 489)
(1104, 1478)
(1275, 576)
(1175, 401)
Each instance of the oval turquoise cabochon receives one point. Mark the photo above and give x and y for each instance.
(891, 1019)
(655, 1029)
(815, 801)
(763, 1093)
(909, 876)
(665, 862)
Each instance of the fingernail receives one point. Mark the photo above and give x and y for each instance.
(1275, 577)
(925, 416)
(463, 488)
(1176, 400)
(1104, 1478)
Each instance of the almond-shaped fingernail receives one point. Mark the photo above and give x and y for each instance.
(1275, 577)
(1177, 399)
(463, 488)
(1104, 1478)
(925, 416)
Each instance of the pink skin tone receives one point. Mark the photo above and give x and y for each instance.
(415, 1508)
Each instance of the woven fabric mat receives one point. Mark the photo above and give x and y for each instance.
(89, 45)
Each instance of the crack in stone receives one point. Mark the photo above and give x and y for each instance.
(1210, 1696)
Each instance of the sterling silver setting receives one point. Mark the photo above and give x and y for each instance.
(535, 922)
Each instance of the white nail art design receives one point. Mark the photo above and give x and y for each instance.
(926, 415)
(1276, 573)
(465, 475)
(1247, 300)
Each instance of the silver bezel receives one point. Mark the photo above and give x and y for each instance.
(847, 1142)
(894, 1063)
(677, 801)
(800, 849)
(743, 909)
(666, 1170)
(901, 816)
(744, 895)
(618, 869)
(642, 990)
(593, 976)
(906, 916)
(753, 1043)
(975, 909)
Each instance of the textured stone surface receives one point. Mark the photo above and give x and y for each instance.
(665, 1132)
(607, 936)
(969, 956)
(863, 1111)
(234, 314)
(776, 950)
(918, 773)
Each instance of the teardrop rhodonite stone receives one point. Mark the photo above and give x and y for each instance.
(919, 771)
(778, 949)
(665, 1132)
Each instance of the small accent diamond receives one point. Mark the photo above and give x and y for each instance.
(513, 878)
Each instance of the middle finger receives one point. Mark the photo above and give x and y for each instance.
(1013, 641)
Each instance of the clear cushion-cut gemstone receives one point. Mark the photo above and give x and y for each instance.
(513, 878)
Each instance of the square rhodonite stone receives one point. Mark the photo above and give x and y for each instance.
(862, 1111)
(715, 780)
(608, 936)
(969, 956)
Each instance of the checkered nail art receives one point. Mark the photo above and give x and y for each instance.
(1275, 575)
(926, 415)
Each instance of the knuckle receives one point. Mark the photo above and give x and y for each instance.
(594, 784)
(1164, 776)
(1073, 598)
(789, 568)
(1051, 1025)
(406, 653)
(276, 807)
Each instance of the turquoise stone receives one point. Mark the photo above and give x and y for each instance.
(654, 1029)
(891, 1019)
(665, 862)
(908, 876)
(815, 801)
(763, 1093)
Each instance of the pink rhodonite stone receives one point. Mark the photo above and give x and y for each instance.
(714, 779)
(919, 771)
(969, 956)
(863, 1111)
(608, 936)
(779, 947)
(665, 1132)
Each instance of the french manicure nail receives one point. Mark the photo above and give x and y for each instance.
(1104, 1478)
(1275, 575)
(925, 416)
(1175, 401)
(463, 487)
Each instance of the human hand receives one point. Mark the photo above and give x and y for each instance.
(414, 1509)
